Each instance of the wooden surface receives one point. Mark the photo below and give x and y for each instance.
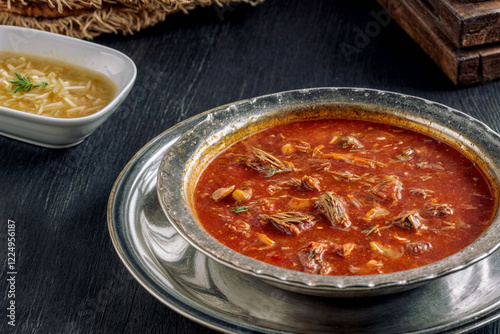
(70, 279)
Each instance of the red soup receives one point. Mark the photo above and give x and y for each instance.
(343, 197)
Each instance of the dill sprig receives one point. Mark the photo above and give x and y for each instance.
(240, 209)
(25, 84)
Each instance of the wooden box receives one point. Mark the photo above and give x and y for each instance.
(462, 37)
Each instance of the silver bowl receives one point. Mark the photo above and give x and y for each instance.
(185, 160)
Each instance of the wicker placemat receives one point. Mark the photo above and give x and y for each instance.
(87, 19)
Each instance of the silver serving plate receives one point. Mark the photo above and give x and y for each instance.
(226, 300)
(186, 158)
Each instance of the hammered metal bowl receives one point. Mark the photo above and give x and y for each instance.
(185, 160)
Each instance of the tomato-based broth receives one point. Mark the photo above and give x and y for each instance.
(343, 197)
(52, 88)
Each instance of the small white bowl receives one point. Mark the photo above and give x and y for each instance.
(63, 132)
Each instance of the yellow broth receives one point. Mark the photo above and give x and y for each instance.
(71, 91)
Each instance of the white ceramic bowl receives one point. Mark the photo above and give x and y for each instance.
(63, 132)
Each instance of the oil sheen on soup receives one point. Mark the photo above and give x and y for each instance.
(51, 88)
(343, 197)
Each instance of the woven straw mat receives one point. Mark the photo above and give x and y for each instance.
(87, 19)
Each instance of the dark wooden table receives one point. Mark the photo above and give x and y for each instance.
(69, 277)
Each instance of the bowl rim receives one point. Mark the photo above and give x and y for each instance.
(119, 95)
(173, 197)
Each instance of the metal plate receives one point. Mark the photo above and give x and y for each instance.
(226, 300)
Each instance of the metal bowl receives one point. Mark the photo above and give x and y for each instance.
(186, 159)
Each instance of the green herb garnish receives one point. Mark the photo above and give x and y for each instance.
(25, 84)
(240, 209)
